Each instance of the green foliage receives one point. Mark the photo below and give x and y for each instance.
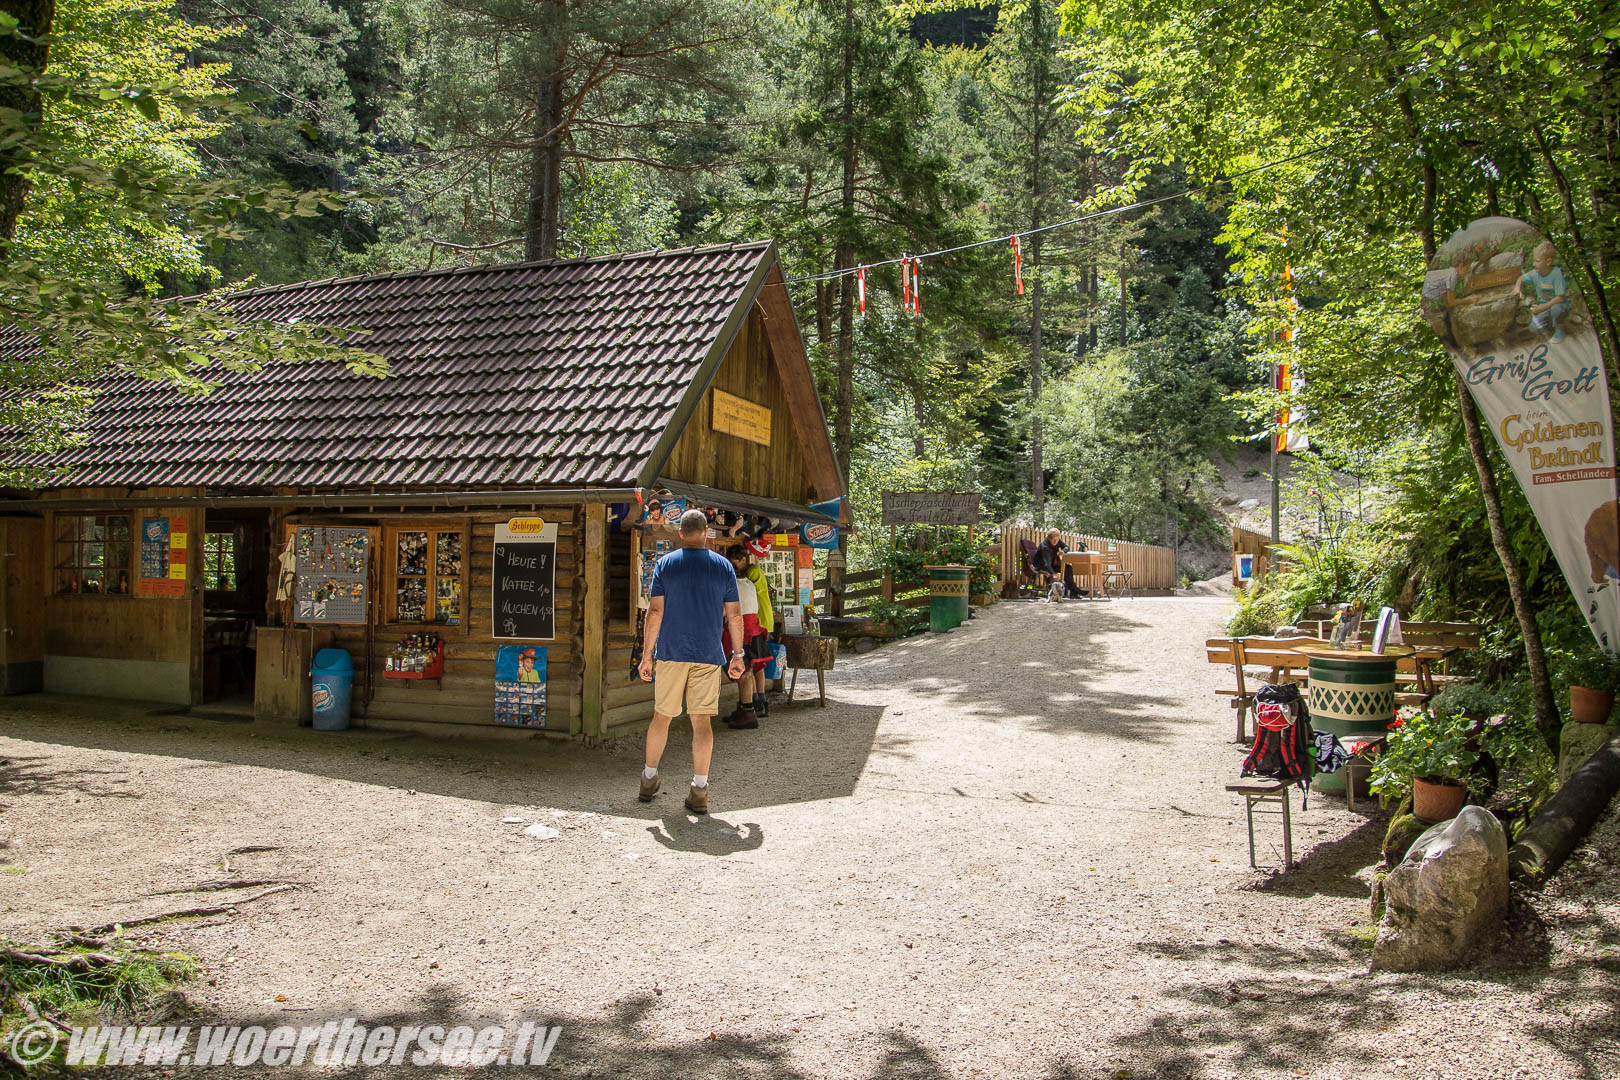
(1472, 699)
(117, 983)
(112, 196)
(1261, 608)
(1423, 747)
(917, 547)
(1589, 667)
(904, 620)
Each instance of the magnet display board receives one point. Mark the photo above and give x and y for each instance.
(524, 580)
(332, 565)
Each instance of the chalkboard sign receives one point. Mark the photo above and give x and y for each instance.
(525, 580)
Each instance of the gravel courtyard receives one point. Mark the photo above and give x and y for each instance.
(1001, 853)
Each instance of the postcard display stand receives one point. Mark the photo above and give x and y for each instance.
(333, 566)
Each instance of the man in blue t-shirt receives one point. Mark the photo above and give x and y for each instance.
(694, 596)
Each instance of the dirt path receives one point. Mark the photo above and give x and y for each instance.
(1005, 852)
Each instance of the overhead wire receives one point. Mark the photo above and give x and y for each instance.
(1141, 204)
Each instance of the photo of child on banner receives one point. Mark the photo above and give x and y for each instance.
(1521, 337)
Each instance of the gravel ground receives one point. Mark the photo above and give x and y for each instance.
(1005, 852)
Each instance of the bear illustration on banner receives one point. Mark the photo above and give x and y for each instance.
(1502, 301)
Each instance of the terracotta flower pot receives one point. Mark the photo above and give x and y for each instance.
(1437, 801)
(1588, 706)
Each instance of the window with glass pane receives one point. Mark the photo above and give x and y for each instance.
(92, 553)
(427, 576)
(447, 577)
(219, 562)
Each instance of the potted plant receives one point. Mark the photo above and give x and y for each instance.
(1434, 756)
(1593, 677)
(1470, 700)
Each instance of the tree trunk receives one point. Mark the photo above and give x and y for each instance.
(1571, 222)
(844, 258)
(1124, 298)
(1040, 99)
(1534, 654)
(545, 163)
(1037, 478)
(34, 18)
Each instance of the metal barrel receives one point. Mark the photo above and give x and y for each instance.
(1352, 698)
(948, 597)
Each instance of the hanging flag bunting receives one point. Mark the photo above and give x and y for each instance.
(916, 286)
(905, 282)
(1522, 338)
(1018, 265)
(860, 280)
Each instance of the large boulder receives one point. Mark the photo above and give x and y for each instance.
(1577, 742)
(1447, 897)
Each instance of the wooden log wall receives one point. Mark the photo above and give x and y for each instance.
(718, 459)
(1153, 567)
(468, 692)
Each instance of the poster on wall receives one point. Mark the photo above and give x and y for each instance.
(332, 565)
(781, 569)
(524, 580)
(163, 556)
(520, 686)
(651, 551)
(1511, 314)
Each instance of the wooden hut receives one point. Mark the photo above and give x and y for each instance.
(526, 404)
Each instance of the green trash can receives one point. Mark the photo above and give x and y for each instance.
(1353, 696)
(948, 596)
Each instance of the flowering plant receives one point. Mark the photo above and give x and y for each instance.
(1426, 747)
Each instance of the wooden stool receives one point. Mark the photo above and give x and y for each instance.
(1267, 791)
(805, 651)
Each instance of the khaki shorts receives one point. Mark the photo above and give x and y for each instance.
(698, 685)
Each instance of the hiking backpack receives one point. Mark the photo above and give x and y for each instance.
(1284, 745)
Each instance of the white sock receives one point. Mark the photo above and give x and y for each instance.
(648, 773)
(700, 781)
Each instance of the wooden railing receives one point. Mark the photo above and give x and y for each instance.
(1153, 568)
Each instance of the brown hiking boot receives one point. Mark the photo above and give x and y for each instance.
(649, 788)
(697, 799)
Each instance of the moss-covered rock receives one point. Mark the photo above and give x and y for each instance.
(1577, 742)
(1404, 828)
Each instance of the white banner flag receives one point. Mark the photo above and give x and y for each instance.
(1511, 314)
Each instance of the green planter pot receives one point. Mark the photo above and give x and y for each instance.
(1353, 696)
(947, 596)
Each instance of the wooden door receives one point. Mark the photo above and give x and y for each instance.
(22, 605)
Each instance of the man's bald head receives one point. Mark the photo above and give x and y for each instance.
(694, 524)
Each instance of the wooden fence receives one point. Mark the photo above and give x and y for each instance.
(1153, 568)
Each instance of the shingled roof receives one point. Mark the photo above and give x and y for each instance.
(545, 373)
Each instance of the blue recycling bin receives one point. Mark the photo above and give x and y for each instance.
(331, 688)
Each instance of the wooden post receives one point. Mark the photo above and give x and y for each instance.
(593, 652)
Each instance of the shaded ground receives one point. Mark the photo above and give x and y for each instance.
(1005, 852)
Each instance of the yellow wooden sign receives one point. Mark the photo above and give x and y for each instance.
(742, 418)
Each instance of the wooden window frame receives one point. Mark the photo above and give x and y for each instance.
(131, 551)
(388, 611)
(235, 569)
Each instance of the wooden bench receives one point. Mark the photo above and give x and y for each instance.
(1449, 637)
(1264, 659)
(1276, 660)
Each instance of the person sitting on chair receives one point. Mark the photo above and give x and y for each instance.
(1050, 567)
